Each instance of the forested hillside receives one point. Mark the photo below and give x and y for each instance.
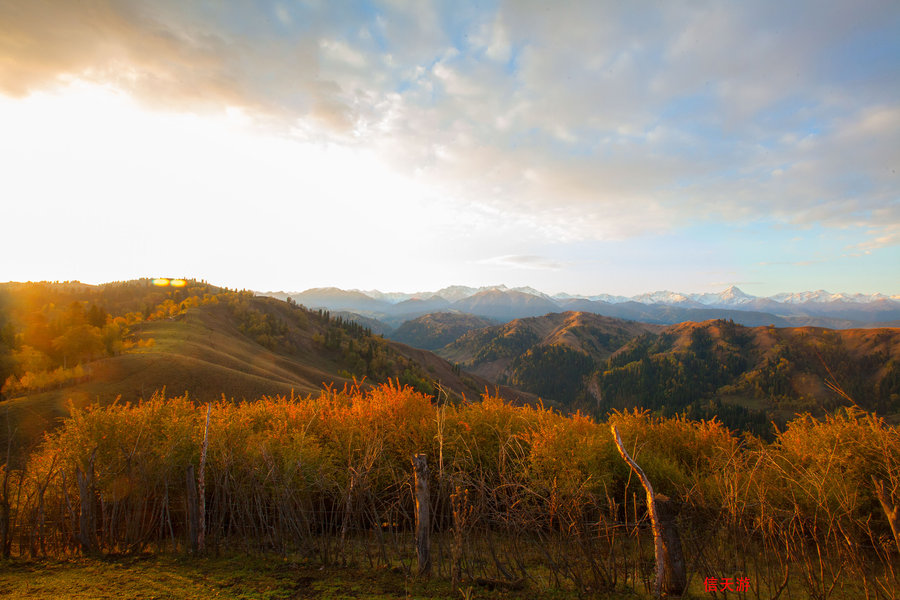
(436, 330)
(492, 351)
(747, 376)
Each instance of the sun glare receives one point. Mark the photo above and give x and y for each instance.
(88, 145)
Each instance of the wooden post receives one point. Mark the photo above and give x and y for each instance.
(193, 511)
(86, 524)
(201, 534)
(5, 537)
(423, 520)
(670, 573)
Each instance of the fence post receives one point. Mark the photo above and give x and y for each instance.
(193, 509)
(670, 574)
(86, 523)
(201, 534)
(423, 520)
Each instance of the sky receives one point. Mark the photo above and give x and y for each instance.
(580, 147)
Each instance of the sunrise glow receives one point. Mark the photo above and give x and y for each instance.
(502, 149)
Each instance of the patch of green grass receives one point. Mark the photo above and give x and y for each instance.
(233, 577)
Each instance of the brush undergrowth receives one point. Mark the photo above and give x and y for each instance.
(522, 497)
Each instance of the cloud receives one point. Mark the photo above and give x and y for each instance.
(519, 261)
(589, 120)
(879, 237)
(797, 263)
(170, 56)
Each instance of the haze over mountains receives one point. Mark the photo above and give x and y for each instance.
(501, 303)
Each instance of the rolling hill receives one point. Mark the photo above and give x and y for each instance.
(516, 352)
(436, 330)
(204, 341)
(777, 371)
(71, 343)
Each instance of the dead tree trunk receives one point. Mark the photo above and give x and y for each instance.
(423, 520)
(193, 509)
(670, 573)
(86, 522)
(891, 511)
(675, 576)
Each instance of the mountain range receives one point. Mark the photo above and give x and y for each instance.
(501, 303)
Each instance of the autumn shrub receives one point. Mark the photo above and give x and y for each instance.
(685, 459)
(320, 474)
(821, 473)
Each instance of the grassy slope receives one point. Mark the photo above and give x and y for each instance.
(244, 577)
(202, 353)
(199, 352)
(269, 577)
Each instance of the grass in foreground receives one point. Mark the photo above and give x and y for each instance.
(160, 577)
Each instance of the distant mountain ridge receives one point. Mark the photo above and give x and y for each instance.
(812, 308)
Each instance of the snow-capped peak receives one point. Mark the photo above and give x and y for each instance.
(731, 296)
(661, 297)
(820, 296)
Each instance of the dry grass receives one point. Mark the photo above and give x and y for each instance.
(233, 577)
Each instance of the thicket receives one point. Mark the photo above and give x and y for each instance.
(520, 496)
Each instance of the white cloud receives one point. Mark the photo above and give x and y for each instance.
(612, 121)
(518, 261)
